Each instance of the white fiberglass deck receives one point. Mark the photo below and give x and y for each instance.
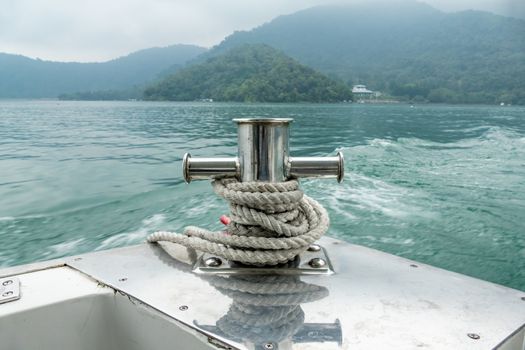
(139, 297)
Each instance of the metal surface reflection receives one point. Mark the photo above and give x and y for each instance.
(266, 312)
(379, 298)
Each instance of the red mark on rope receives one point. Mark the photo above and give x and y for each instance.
(225, 220)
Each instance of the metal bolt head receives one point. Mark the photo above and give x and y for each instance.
(8, 293)
(8, 282)
(523, 298)
(123, 279)
(183, 308)
(317, 263)
(314, 248)
(213, 262)
(473, 336)
(269, 346)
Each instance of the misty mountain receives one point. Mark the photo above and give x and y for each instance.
(25, 77)
(407, 49)
(249, 73)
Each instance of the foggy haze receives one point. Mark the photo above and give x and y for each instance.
(99, 30)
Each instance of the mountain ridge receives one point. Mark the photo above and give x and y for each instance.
(249, 73)
(22, 77)
(407, 49)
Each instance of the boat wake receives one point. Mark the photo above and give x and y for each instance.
(441, 203)
(153, 223)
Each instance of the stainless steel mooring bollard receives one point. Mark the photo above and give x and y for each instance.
(264, 155)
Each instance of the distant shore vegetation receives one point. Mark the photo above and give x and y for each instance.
(103, 95)
(249, 73)
(409, 52)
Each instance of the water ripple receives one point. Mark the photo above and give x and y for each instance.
(441, 184)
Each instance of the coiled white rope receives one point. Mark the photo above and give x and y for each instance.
(271, 223)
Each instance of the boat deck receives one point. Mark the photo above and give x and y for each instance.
(373, 300)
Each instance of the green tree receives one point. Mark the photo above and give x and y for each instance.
(249, 73)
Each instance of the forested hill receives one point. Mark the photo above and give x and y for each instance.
(25, 77)
(407, 49)
(249, 73)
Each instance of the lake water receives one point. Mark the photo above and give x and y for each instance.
(444, 185)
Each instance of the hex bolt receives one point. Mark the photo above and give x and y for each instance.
(269, 346)
(8, 293)
(6, 283)
(183, 308)
(213, 262)
(317, 263)
(473, 336)
(314, 248)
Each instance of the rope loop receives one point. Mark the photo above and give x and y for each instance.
(271, 223)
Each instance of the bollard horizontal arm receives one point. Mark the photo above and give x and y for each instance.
(205, 168)
(299, 167)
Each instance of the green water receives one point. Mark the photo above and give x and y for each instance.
(444, 185)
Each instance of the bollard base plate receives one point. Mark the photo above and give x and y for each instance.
(310, 262)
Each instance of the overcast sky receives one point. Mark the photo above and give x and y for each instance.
(98, 30)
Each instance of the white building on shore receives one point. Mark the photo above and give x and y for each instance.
(360, 92)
